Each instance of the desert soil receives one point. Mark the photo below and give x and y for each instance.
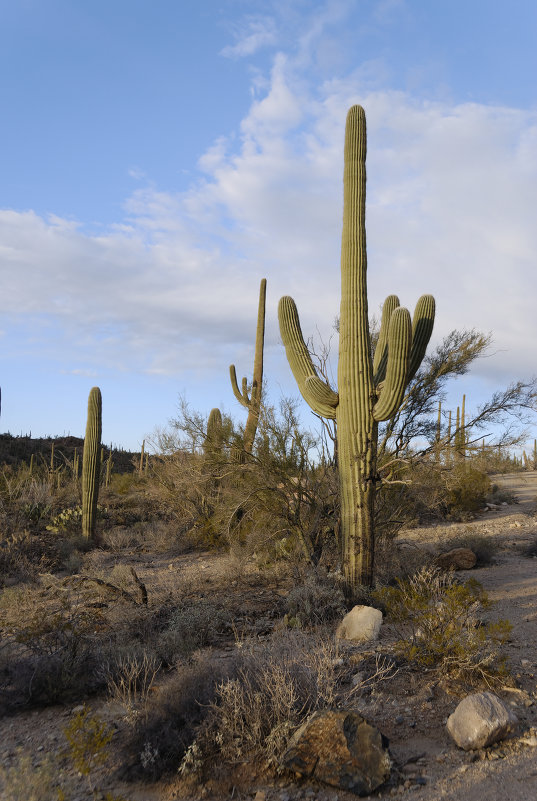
(427, 764)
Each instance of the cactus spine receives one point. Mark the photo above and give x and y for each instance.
(253, 401)
(91, 463)
(370, 389)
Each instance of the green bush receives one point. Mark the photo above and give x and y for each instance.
(467, 489)
(438, 625)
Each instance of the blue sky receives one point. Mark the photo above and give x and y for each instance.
(160, 158)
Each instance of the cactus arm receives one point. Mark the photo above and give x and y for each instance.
(422, 328)
(322, 393)
(254, 403)
(381, 351)
(259, 343)
(315, 392)
(399, 344)
(235, 386)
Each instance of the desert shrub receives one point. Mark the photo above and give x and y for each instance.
(467, 489)
(319, 599)
(425, 491)
(529, 550)
(484, 547)
(437, 621)
(271, 692)
(88, 738)
(498, 494)
(163, 734)
(88, 747)
(25, 781)
(395, 560)
(130, 678)
(50, 638)
(276, 503)
(194, 624)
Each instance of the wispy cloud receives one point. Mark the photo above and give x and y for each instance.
(251, 34)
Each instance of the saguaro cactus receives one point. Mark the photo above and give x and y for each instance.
(371, 389)
(214, 442)
(91, 463)
(253, 401)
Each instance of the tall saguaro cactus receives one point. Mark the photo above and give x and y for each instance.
(252, 402)
(370, 389)
(91, 463)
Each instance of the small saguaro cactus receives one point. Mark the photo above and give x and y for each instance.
(142, 454)
(214, 439)
(252, 402)
(91, 463)
(371, 389)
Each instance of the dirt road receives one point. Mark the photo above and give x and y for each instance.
(524, 485)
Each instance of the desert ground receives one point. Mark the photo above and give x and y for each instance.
(410, 708)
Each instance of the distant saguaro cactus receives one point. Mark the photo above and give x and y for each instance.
(371, 389)
(91, 463)
(253, 402)
(214, 438)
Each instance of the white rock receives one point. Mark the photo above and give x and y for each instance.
(361, 624)
(480, 720)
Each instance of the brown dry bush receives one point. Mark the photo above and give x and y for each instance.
(49, 648)
(217, 712)
(167, 727)
(317, 599)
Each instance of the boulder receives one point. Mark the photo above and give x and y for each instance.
(480, 720)
(457, 559)
(342, 749)
(361, 624)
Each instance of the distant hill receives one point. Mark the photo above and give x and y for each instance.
(14, 450)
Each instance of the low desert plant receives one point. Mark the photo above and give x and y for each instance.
(24, 780)
(164, 733)
(270, 693)
(193, 624)
(130, 679)
(484, 547)
(88, 740)
(319, 599)
(499, 495)
(437, 621)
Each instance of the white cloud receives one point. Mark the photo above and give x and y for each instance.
(451, 197)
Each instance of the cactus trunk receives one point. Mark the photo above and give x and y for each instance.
(356, 426)
(370, 390)
(91, 463)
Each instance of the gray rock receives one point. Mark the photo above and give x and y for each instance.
(361, 624)
(341, 749)
(480, 720)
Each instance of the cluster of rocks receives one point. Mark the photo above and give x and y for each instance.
(341, 749)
